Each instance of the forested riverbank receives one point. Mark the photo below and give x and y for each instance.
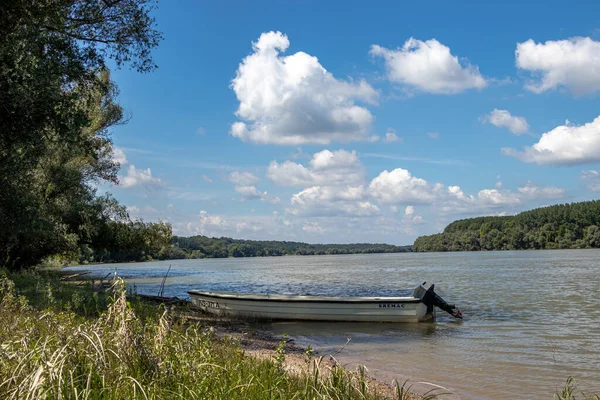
(138, 241)
(562, 226)
(203, 246)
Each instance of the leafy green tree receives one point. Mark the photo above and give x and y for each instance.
(592, 236)
(56, 105)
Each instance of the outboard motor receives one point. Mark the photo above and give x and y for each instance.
(430, 298)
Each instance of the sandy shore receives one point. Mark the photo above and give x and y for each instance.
(258, 342)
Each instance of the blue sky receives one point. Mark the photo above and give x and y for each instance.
(371, 122)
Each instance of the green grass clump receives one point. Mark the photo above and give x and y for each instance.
(61, 342)
(571, 392)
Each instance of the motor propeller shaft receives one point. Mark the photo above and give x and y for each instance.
(430, 298)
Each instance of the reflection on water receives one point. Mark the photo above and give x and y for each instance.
(532, 317)
(404, 331)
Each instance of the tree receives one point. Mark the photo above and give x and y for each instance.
(56, 105)
(592, 236)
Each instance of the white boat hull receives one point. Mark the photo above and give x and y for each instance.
(312, 308)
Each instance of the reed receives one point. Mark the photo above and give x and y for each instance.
(571, 392)
(61, 342)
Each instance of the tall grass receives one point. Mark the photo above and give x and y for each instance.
(58, 342)
(571, 392)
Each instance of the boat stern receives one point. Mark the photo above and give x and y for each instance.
(423, 315)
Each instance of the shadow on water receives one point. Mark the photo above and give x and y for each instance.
(333, 332)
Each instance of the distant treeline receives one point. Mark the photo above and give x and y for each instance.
(205, 247)
(563, 226)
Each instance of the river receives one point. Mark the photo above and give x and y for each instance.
(532, 318)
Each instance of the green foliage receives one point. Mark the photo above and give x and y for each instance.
(403, 392)
(57, 103)
(563, 226)
(203, 246)
(122, 241)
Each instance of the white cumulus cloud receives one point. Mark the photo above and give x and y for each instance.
(572, 63)
(140, 177)
(335, 187)
(244, 185)
(399, 186)
(148, 212)
(209, 224)
(313, 227)
(564, 145)
(332, 201)
(119, 156)
(332, 160)
(245, 227)
(250, 192)
(293, 100)
(333, 182)
(391, 137)
(429, 66)
(242, 178)
(503, 119)
(495, 197)
(339, 167)
(532, 191)
(258, 227)
(486, 200)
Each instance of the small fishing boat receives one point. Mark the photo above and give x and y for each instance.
(416, 308)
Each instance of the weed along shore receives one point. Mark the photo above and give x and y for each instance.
(65, 339)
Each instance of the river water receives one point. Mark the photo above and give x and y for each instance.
(532, 318)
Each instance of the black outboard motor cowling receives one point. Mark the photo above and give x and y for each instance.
(430, 298)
